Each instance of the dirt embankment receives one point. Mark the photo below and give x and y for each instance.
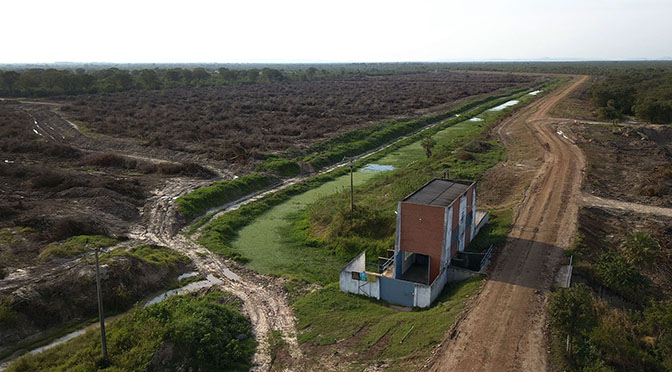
(56, 183)
(504, 328)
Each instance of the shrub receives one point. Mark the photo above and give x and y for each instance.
(640, 248)
(616, 273)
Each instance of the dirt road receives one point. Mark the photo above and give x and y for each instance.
(503, 329)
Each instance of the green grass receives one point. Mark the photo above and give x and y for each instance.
(149, 253)
(200, 200)
(190, 332)
(75, 245)
(327, 316)
(494, 232)
(280, 167)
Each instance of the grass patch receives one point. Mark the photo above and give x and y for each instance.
(327, 316)
(494, 232)
(149, 253)
(280, 167)
(200, 200)
(207, 333)
(75, 245)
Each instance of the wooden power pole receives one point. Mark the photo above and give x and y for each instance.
(352, 190)
(101, 314)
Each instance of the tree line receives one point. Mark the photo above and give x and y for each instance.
(53, 82)
(645, 94)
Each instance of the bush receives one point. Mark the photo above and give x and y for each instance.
(640, 248)
(617, 274)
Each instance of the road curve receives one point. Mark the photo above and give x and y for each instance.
(503, 329)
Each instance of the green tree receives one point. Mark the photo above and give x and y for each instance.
(428, 144)
(571, 312)
(9, 79)
(149, 79)
(640, 248)
(200, 74)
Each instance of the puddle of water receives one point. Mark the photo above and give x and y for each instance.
(58, 341)
(191, 287)
(475, 119)
(535, 92)
(377, 168)
(187, 275)
(505, 105)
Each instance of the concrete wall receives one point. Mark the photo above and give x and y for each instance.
(349, 285)
(447, 235)
(422, 232)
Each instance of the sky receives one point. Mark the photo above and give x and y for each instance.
(292, 31)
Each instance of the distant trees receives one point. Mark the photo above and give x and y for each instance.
(646, 94)
(51, 82)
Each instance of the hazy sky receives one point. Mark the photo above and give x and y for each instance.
(332, 31)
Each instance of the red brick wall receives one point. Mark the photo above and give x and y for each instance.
(422, 232)
(470, 198)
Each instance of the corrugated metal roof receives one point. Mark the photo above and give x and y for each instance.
(438, 192)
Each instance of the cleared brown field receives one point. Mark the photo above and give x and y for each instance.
(236, 123)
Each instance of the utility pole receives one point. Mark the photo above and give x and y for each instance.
(101, 315)
(352, 190)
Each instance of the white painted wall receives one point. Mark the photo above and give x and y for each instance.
(447, 227)
(349, 285)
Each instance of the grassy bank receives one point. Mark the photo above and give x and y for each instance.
(206, 333)
(328, 316)
(75, 245)
(197, 202)
(67, 302)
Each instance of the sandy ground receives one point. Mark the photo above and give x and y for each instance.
(504, 328)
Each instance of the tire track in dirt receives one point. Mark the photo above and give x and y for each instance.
(504, 328)
(596, 201)
(264, 298)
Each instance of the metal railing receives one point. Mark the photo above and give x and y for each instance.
(487, 255)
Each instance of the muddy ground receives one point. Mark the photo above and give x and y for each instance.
(56, 184)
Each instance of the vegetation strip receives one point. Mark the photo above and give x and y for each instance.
(197, 202)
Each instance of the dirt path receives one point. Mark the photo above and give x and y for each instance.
(596, 201)
(263, 297)
(504, 328)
